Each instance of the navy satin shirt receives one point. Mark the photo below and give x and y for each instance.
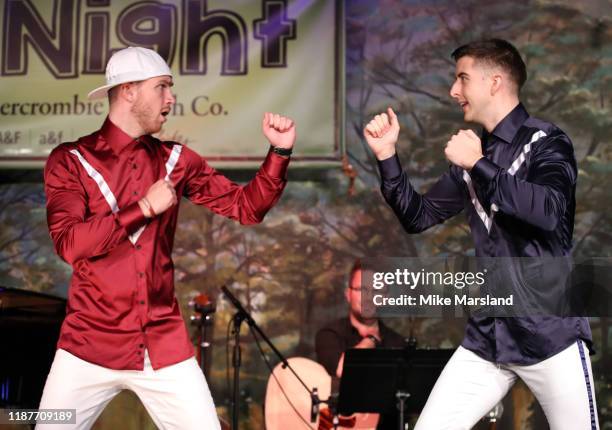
(520, 202)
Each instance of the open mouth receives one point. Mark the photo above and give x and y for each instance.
(463, 105)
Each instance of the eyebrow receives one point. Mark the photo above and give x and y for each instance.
(462, 74)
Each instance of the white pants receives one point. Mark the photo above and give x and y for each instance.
(469, 387)
(176, 397)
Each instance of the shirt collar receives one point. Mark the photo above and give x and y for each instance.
(117, 139)
(509, 126)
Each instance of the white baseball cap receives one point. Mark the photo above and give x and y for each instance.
(131, 64)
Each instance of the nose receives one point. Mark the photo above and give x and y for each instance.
(454, 89)
(170, 97)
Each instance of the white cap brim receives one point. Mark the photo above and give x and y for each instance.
(100, 92)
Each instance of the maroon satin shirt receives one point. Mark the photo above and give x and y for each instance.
(121, 297)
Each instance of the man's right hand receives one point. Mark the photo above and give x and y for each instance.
(161, 195)
(365, 331)
(381, 134)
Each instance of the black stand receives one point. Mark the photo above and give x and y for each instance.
(204, 345)
(370, 380)
(243, 315)
(236, 362)
(374, 379)
(203, 319)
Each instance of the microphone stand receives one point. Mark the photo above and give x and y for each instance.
(236, 362)
(242, 315)
(203, 319)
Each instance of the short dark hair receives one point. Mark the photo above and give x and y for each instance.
(498, 52)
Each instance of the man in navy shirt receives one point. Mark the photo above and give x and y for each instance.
(517, 184)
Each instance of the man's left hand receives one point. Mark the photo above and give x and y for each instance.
(279, 130)
(464, 149)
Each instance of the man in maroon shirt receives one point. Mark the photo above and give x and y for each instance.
(112, 209)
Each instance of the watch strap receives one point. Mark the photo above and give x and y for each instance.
(373, 339)
(285, 152)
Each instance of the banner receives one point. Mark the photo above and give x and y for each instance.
(232, 61)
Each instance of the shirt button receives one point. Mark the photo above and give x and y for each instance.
(139, 246)
(141, 346)
(140, 274)
(135, 193)
(142, 302)
(134, 166)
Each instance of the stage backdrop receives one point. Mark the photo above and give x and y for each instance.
(231, 62)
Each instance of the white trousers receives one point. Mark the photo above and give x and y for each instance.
(469, 387)
(176, 397)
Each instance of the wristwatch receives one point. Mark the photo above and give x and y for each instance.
(285, 152)
(373, 339)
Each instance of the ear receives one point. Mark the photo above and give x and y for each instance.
(128, 91)
(497, 81)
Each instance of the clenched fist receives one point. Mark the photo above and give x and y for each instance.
(464, 149)
(381, 134)
(160, 196)
(279, 130)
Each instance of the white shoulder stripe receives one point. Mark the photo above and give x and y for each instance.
(97, 177)
(172, 160)
(516, 164)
